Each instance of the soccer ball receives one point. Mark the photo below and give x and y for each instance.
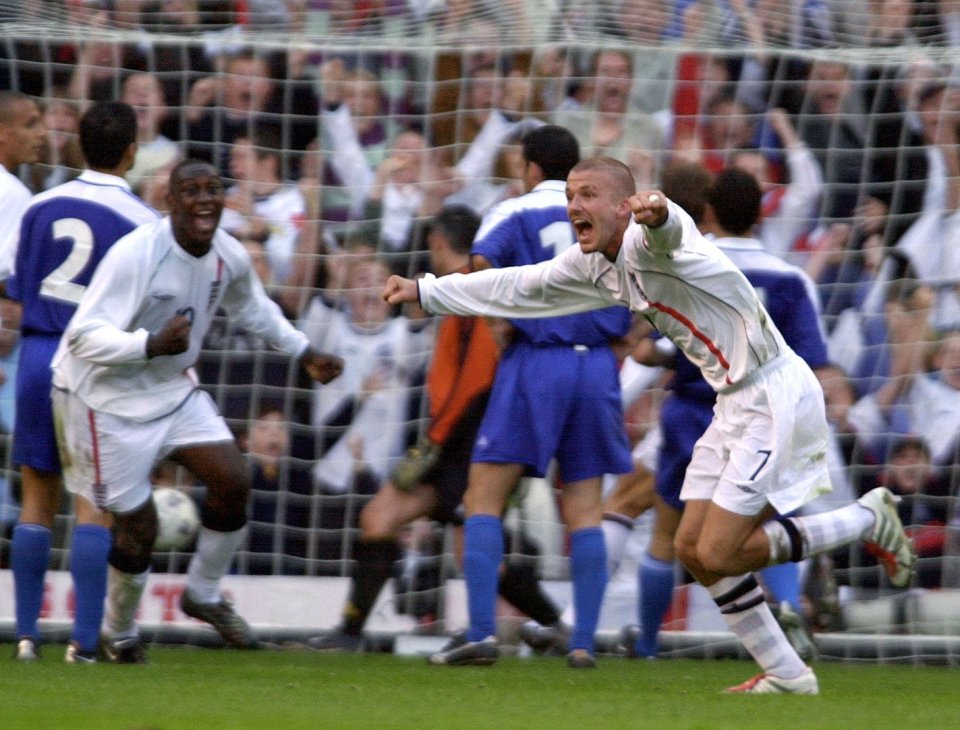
(179, 519)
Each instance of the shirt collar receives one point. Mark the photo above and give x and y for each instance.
(103, 178)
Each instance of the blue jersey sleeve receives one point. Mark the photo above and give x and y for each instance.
(788, 302)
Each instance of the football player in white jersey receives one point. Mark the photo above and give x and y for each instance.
(22, 135)
(126, 396)
(763, 455)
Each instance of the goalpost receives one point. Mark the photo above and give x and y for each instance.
(705, 78)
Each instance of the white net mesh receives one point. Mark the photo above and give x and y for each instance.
(377, 114)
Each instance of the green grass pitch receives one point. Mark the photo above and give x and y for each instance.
(211, 689)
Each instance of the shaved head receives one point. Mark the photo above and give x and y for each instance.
(190, 168)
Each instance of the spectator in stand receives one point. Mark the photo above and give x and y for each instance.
(728, 125)
(362, 416)
(788, 211)
(701, 78)
(949, 21)
(260, 204)
(930, 242)
(98, 70)
(833, 126)
(923, 509)
(643, 25)
(280, 498)
(921, 395)
(494, 98)
(62, 159)
(223, 107)
(409, 186)
(155, 152)
(923, 251)
(607, 125)
(238, 99)
(891, 24)
(356, 138)
(494, 120)
(791, 24)
(766, 24)
(176, 64)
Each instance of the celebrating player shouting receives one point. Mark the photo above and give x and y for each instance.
(765, 451)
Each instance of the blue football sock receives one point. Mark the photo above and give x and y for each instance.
(482, 555)
(29, 555)
(655, 579)
(588, 573)
(89, 550)
(783, 583)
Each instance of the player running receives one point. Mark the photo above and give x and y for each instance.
(764, 453)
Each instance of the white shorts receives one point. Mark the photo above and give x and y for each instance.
(767, 443)
(107, 459)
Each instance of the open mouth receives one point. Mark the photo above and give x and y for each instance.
(206, 220)
(582, 226)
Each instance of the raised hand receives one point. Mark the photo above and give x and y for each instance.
(649, 208)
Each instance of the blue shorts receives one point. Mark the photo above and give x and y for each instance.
(34, 439)
(557, 401)
(682, 422)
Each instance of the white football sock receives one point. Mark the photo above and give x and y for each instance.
(210, 562)
(743, 607)
(123, 599)
(819, 533)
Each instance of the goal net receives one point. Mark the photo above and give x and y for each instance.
(343, 128)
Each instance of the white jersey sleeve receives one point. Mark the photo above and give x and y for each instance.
(563, 285)
(14, 199)
(248, 305)
(98, 331)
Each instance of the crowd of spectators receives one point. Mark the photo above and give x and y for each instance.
(337, 158)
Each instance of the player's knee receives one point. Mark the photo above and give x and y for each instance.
(712, 560)
(225, 504)
(133, 536)
(685, 550)
(376, 524)
(224, 517)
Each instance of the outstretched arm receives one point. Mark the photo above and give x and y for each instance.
(563, 285)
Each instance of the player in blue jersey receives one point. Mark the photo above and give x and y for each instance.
(63, 235)
(556, 394)
(729, 210)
